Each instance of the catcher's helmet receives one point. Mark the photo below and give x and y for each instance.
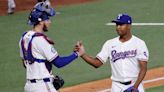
(40, 12)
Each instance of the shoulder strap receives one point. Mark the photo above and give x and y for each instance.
(45, 37)
(29, 51)
(27, 54)
(22, 46)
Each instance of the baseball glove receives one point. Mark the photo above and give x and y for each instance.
(58, 82)
(130, 89)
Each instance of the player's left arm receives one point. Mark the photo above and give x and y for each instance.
(142, 73)
(143, 56)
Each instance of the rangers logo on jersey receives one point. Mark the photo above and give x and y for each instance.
(122, 55)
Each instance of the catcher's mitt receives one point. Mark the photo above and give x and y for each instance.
(58, 82)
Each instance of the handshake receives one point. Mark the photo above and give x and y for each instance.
(79, 48)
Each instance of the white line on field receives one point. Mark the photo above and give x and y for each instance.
(152, 80)
(146, 81)
(140, 24)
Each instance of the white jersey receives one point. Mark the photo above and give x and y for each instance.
(41, 49)
(124, 57)
(11, 5)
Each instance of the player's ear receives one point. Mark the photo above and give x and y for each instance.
(41, 22)
(129, 26)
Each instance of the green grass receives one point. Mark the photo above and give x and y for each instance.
(156, 89)
(84, 22)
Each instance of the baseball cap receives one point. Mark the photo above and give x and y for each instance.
(40, 12)
(123, 19)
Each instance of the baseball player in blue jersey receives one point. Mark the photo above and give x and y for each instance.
(38, 53)
(127, 54)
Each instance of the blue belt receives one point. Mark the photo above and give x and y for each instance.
(35, 80)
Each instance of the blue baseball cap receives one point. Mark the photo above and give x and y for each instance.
(123, 19)
(40, 12)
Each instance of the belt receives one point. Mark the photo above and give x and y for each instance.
(125, 83)
(35, 80)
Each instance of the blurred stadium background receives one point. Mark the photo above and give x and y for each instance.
(82, 21)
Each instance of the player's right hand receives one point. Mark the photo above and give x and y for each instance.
(79, 48)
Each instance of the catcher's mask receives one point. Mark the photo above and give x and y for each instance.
(41, 11)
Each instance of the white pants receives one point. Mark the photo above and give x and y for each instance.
(39, 87)
(118, 87)
(11, 5)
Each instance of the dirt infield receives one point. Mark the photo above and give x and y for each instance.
(22, 5)
(154, 77)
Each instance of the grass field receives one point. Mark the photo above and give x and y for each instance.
(84, 22)
(156, 89)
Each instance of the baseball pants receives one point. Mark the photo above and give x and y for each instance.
(118, 87)
(11, 5)
(39, 86)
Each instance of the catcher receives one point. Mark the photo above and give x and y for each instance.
(38, 53)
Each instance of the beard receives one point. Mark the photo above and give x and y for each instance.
(45, 29)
